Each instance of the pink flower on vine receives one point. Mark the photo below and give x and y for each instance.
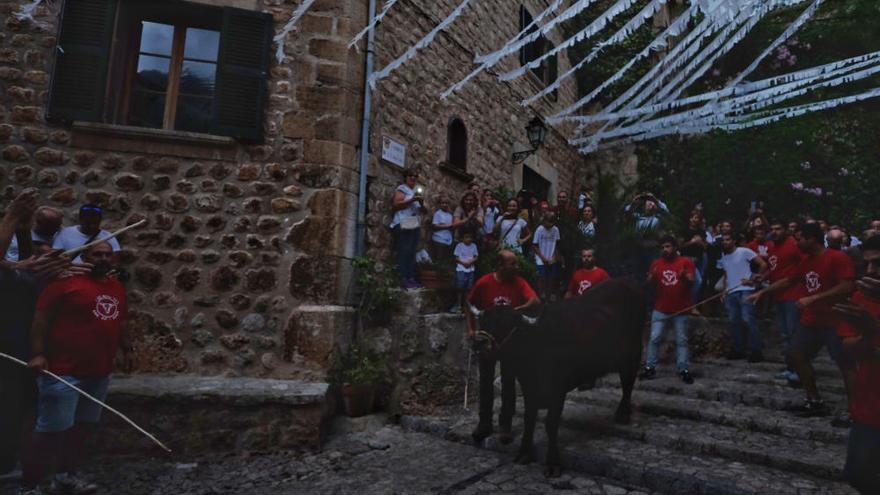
(797, 186)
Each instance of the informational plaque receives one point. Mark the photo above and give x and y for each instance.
(393, 151)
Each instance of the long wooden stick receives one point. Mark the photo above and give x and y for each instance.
(71, 253)
(467, 378)
(704, 301)
(86, 395)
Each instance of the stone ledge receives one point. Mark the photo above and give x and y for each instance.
(236, 391)
(91, 135)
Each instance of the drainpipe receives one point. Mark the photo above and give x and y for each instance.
(361, 228)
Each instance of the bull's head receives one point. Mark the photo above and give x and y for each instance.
(495, 326)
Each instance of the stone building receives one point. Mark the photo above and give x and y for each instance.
(246, 168)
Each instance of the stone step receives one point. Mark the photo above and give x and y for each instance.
(657, 468)
(822, 365)
(774, 396)
(214, 414)
(743, 374)
(745, 418)
(791, 454)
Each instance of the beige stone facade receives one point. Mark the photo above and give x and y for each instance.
(242, 268)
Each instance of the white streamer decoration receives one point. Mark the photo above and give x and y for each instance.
(411, 52)
(588, 32)
(753, 88)
(288, 27)
(372, 25)
(485, 65)
(635, 23)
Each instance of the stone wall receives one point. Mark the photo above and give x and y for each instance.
(238, 235)
(407, 106)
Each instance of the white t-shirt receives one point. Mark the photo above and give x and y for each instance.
(546, 240)
(12, 252)
(463, 252)
(412, 210)
(515, 227)
(490, 214)
(443, 236)
(71, 237)
(737, 267)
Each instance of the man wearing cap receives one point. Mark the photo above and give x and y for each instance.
(88, 230)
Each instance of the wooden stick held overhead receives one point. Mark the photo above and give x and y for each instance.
(72, 253)
(86, 395)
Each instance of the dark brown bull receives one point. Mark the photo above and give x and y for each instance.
(572, 342)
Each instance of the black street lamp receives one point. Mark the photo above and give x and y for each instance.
(536, 132)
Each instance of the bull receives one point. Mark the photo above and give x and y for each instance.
(572, 342)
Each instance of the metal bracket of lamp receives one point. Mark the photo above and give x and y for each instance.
(536, 132)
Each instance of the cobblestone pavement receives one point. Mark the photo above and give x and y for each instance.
(728, 434)
(385, 459)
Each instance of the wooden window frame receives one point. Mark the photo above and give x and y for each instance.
(190, 17)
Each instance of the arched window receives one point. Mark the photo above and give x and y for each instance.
(456, 142)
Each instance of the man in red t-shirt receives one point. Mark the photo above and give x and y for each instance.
(500, 288)
(587, 276)
(784, 257)
(672, 276)
(825, 276)
(860, 331)
(759, 243)
(77, 330)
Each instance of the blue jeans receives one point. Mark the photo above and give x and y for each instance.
(863, 458)
(681, 339)
(405, 243)
(742, 313)
(788, 320)
(60, 406)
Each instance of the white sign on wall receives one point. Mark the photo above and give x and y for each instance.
(393, 151)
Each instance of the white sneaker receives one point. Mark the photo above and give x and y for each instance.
(67, 484)
(31, 491)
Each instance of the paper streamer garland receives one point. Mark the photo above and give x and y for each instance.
(288, 27)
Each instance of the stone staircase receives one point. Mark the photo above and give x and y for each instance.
(728, 433)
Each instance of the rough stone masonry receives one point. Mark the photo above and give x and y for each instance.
(243, 268)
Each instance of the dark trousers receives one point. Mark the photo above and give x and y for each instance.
(406, 243)
(18, 393)
(487, 393)
(862, 469)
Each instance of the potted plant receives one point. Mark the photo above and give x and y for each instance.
(358, 372)
(379, 289)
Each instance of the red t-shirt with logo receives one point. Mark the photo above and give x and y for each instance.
(489, 292)
(84, 335)
(818, 274)
(865, 405)
(783, 260)
(673, 291)
(583, 279)
(761, 248)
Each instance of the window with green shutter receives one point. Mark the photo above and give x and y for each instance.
(168, 65)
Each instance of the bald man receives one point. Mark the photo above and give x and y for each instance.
(47, 223)
(834, 239)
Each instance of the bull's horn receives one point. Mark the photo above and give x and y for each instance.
(529, 320)
(476, 312)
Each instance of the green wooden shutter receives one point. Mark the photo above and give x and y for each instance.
(79, 79)
(245, 45)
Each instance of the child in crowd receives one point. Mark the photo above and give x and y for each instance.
(545, 245)
(442, 225)
(466, 260)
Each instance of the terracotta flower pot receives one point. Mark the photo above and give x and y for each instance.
(432, 279)
(358, 399)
